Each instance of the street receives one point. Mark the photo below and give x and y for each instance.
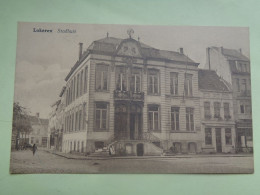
(45, 162)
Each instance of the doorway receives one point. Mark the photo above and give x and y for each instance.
(140, 149)
(218, 140)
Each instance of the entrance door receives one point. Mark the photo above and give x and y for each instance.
(140, 149)
(121, 121)
(218, 140)
(135, 125)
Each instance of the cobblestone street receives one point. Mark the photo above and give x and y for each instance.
(44, 162)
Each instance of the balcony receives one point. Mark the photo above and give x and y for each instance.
(128, 95)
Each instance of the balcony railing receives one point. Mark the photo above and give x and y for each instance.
(128, 95)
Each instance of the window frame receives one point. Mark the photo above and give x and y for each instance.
(153, 112)
(101, 68)
(190, 119)
(175, 114)
(100, 128)
(173, 83)
(153, 73)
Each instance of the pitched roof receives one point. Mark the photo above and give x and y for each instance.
(109, 46)
(209, 80)
(36, 120)
(232, 54)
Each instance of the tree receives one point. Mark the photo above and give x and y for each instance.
(21, 122)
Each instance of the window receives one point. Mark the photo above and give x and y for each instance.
(153, 117)
(32, 140)
(189, 119)
(244, 68)
(216, 110)
(136, 81)
(175, 118)
(228, 136)
(238, 84)
(239, 66)
(101, 116)
(245, 108)
(188, 85)
(86, 80)
(207, 114)
(81, 83)
(80, 118)
(208, 136)
(242, 109)
(174, 83)
(74, 145)
(226, 111)
(72, 122)
(74, 91)
(77, 92)
(243, 85)
(82, 146)
(121, 79)
(153, 82)
(101, 77)
(76, 121)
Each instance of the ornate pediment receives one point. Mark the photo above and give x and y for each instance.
(129, 47)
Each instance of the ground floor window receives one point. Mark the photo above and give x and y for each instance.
(208, 136)
(153, 117)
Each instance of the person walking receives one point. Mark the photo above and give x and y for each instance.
(34, 149)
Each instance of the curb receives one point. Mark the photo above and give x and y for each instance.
(142, 157)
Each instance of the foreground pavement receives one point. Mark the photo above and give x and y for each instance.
(46, 162)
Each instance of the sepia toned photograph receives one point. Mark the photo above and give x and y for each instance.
(99, 98)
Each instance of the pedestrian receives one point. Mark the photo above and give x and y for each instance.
(34, 149)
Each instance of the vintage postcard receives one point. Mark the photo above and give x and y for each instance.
(132, 99)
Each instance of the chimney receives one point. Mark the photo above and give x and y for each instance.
(181, 50)
(38, 115)
(80, 50)
(240, 50)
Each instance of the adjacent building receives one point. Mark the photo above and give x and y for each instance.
(39, 133)
(234, 67)
(217, 119)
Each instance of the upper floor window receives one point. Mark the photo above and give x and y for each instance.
(174, 83)
(102, 77)
(153, 82)
(226, 111)
(238, 84)
(207, 113)
(216, 109)
(77, 86)
(153, 117)
(188, 85)
(136, 80)
(86, 80)
(101, 115)
(175, 118)
(189, 119)
(81, 83)
(121, 79)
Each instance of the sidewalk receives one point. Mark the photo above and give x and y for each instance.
(80, 157)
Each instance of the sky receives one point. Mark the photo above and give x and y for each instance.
(44, 59)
